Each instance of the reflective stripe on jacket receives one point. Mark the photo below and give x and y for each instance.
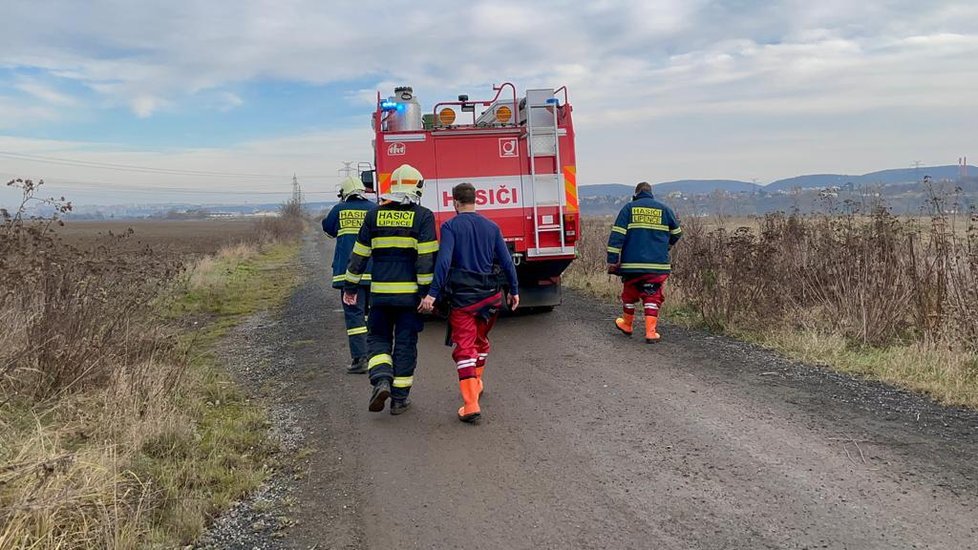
(400, 240)
(343, 224)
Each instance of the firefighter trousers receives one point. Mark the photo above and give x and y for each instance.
(470, 335)
(392, 339)
(646, 288)
(356, 322)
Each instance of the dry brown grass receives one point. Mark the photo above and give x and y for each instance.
(118, 429)
(871, 293)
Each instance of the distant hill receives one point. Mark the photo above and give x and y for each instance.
(704, 187)
(605, 190)
(686, 187)
(884, 177)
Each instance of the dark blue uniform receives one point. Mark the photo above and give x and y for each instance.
(400, 239)
(642, 235)
(343, 223)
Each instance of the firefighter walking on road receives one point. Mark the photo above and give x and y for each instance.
(467, 277)
(343, 224)
(399, 237)
(638, 251)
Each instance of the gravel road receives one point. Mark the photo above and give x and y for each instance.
(593, 440)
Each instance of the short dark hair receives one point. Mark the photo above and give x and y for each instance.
(464, 193)
(643, 187)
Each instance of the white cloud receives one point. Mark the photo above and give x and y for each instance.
(87, 172)
(145, 105)
(230, 101)
(44, 93)
(14, 112)
(765, 72)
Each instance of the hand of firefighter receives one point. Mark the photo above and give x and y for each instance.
(350, 298)
(427, 304)
(613, 269)
(514, 302)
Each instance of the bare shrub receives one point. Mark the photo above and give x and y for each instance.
(76, 316)
(873, 278)
(288, 225)
(107, 438)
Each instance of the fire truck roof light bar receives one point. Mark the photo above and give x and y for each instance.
(498, 89)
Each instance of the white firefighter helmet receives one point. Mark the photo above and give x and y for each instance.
(350, 186)
(406, 181)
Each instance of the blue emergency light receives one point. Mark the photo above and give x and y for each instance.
(388, 105)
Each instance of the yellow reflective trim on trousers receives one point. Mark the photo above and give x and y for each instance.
(352, 277)
(361, 249)
(428, 247)
(347, 231)
(365, 277)
(339, 278)
(676, 231)
(425, 278)
(653, 227)
(356, 331)
(394, 242)
(614, 250)
(378, 360)
(403, 381)
(393, 288)
(617, 229)
(646, 266)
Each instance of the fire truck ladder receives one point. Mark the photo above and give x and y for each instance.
(543, 141)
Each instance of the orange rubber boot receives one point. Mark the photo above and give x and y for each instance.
(469, 412)
(478, 376)
(651, 336)
(625, 322)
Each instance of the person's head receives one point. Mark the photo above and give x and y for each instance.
(463, 196)
(351, 187)
(643, 187)
(407, 181)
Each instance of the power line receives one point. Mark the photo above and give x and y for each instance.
(149, 188)
(128, 167)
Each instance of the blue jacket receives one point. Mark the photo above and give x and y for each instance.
(474, 244)
(400, 239)
(343, 223)
(642, 235)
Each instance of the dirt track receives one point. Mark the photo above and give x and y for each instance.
(591, 440)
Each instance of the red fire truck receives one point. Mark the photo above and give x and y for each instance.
(518, 152)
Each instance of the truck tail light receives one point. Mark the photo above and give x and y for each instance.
(570, 228)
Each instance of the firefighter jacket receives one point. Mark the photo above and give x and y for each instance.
(642, 235)
(400, 238)
(343, 224)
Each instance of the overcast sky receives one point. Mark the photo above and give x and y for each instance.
(231, 97)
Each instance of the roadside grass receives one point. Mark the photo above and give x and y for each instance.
(227, 453)
(936, 359)
(119, 427)
(142, 461)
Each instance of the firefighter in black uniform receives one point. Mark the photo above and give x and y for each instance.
(400, 238)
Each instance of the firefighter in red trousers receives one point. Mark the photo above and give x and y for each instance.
(471, 254)
(638, 251)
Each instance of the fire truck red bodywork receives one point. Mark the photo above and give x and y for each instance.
(496, 159)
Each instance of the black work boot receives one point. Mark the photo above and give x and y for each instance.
(358, 366)
(399, 406)
(382, 390)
